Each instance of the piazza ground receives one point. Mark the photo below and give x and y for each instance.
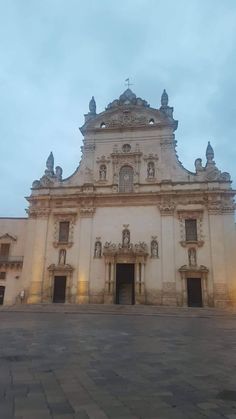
(117, 363)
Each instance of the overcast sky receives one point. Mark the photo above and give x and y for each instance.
(56, 54)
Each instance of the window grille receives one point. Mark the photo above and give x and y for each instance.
(191, 230)
(126, 179)
(64, 231)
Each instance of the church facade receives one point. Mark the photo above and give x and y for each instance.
(130, 226)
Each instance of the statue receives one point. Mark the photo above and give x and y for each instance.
(92, 106)
(98, 249)
(154, 249)
(164, 99)
(125, 238)
(198, 165)
(150, 170)
(210, 154)
(192, 257)
(58, 171)
(103, 172)
(62, 257)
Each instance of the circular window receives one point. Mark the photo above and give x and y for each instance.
(151, 121)
(126, 148)
(103, 125)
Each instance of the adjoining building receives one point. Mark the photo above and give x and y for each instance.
(130, 226)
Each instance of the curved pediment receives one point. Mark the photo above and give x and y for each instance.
(127, 112)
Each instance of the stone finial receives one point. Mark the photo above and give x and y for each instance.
(50, 163)
(164, 98)
(92, 106)
(209, 153)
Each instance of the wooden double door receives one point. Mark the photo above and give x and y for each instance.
(125, 292)
(59, 291)
(2, 292)
(194, 290)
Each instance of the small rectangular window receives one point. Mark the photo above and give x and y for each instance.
(4, 250)
(64, 231)
(2, 275)
(191, 230)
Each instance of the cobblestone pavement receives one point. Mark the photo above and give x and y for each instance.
(90, 366)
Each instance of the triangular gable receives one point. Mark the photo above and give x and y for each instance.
(7, 236)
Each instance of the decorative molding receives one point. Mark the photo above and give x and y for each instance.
(60, 268)
(8, 237)
(60, 217)
(167, 207)
(38, 212)
(138, 249)
(87, 211)
(103, 160)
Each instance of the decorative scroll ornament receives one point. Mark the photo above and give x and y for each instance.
(128, 98)
(113, 249)
(50, 177)
(210, 172)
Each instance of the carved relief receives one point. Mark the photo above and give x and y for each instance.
(167, 207)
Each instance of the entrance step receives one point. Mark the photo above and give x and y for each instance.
(136, 310)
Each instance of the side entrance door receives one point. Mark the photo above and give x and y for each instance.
(59, 292)
(194, 288)
(2, 292)
(125, 283)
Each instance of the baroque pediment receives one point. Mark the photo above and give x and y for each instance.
(128, 111)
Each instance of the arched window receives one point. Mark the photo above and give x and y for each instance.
(102, 172)
(126, 179)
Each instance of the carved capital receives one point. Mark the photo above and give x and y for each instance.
(167, 207)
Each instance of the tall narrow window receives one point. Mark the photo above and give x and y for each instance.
(64, 231)
(126, 179)
(4, 251)
(191, 230)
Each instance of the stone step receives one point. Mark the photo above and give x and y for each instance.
(118, 309)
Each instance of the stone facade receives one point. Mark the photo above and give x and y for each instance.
(131, 224)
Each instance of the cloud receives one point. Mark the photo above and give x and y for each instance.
(55, 55)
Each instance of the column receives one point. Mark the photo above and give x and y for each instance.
(39, 228)
(168, 259)
(218, 268)
(85, 244)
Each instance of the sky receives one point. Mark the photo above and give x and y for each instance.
(56, 54)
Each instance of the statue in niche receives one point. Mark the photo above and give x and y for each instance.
(154, 249)
(103, 172)
(192, 257)
(62, 257)
(126, 238)
(98, 249)
(150, 170)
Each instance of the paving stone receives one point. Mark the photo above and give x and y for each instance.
(86, 366)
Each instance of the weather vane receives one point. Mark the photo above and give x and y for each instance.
(127, 82)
